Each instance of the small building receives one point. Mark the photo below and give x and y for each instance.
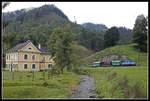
(27, 57)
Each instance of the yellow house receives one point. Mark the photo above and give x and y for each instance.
(27, 57)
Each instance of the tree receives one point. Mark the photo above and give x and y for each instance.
(111, 37)
(90, 39)
(61, 48)
(140, 33)
(5, 4)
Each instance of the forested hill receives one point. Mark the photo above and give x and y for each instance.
(125, 33)
(24, 14)
(37, 24)
(92, 26)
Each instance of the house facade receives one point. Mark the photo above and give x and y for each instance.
(27, 57)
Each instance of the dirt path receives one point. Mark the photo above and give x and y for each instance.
(87, 88)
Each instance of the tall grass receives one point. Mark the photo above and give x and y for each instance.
(121, 82)
(23, 86)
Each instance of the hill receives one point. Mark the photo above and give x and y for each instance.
(81, 52)
(37, 24)
(96, 27)
(127, 50)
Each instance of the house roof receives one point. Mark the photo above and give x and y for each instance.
(18, 46)
(21, 45)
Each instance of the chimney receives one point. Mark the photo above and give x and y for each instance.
(39, 46)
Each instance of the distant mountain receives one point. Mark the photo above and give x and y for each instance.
(97, 27)
(125, 33)
(124, 30)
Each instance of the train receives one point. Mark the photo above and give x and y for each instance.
(114, 63)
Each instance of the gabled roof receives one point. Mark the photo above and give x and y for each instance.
(21, 45)
(18, 47)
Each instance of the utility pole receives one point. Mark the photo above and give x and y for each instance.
(75, 20)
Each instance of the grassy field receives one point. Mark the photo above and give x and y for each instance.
(24, 86)
(120, 82)
(111, 82)
(127, 50)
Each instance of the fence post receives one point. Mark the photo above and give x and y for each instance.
(44, 74)
(32, 75)
(48, 73)
(12, 75)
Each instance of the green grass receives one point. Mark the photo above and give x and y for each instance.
(81, 51)
(127, 50)
(110, 86)
(128, 82)
(119, 82)
(22, 86)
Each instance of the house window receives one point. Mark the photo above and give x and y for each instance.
(49, 65)
(33, 66)
(25, 56)
(33, 57)
(29, 48)
(7, 57)
(25, 66)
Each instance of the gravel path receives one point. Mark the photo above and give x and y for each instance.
(87, 88)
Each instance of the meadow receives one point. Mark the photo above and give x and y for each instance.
(111, 82)
(38, 85)
(120, 82)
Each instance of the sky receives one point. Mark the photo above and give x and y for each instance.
(108, 13)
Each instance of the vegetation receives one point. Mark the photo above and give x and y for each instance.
(95, 27)
(125, 35)
(111, 37)
(140, 33)
(61, 48)
(24, 86)
(37, 24)
(91, 39)
(80, 51)
(127, 50)
(74, 46)
(120, 82)
(5, 4)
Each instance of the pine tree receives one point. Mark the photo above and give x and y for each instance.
(140, 33)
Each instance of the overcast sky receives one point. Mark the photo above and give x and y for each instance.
(108, 13)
